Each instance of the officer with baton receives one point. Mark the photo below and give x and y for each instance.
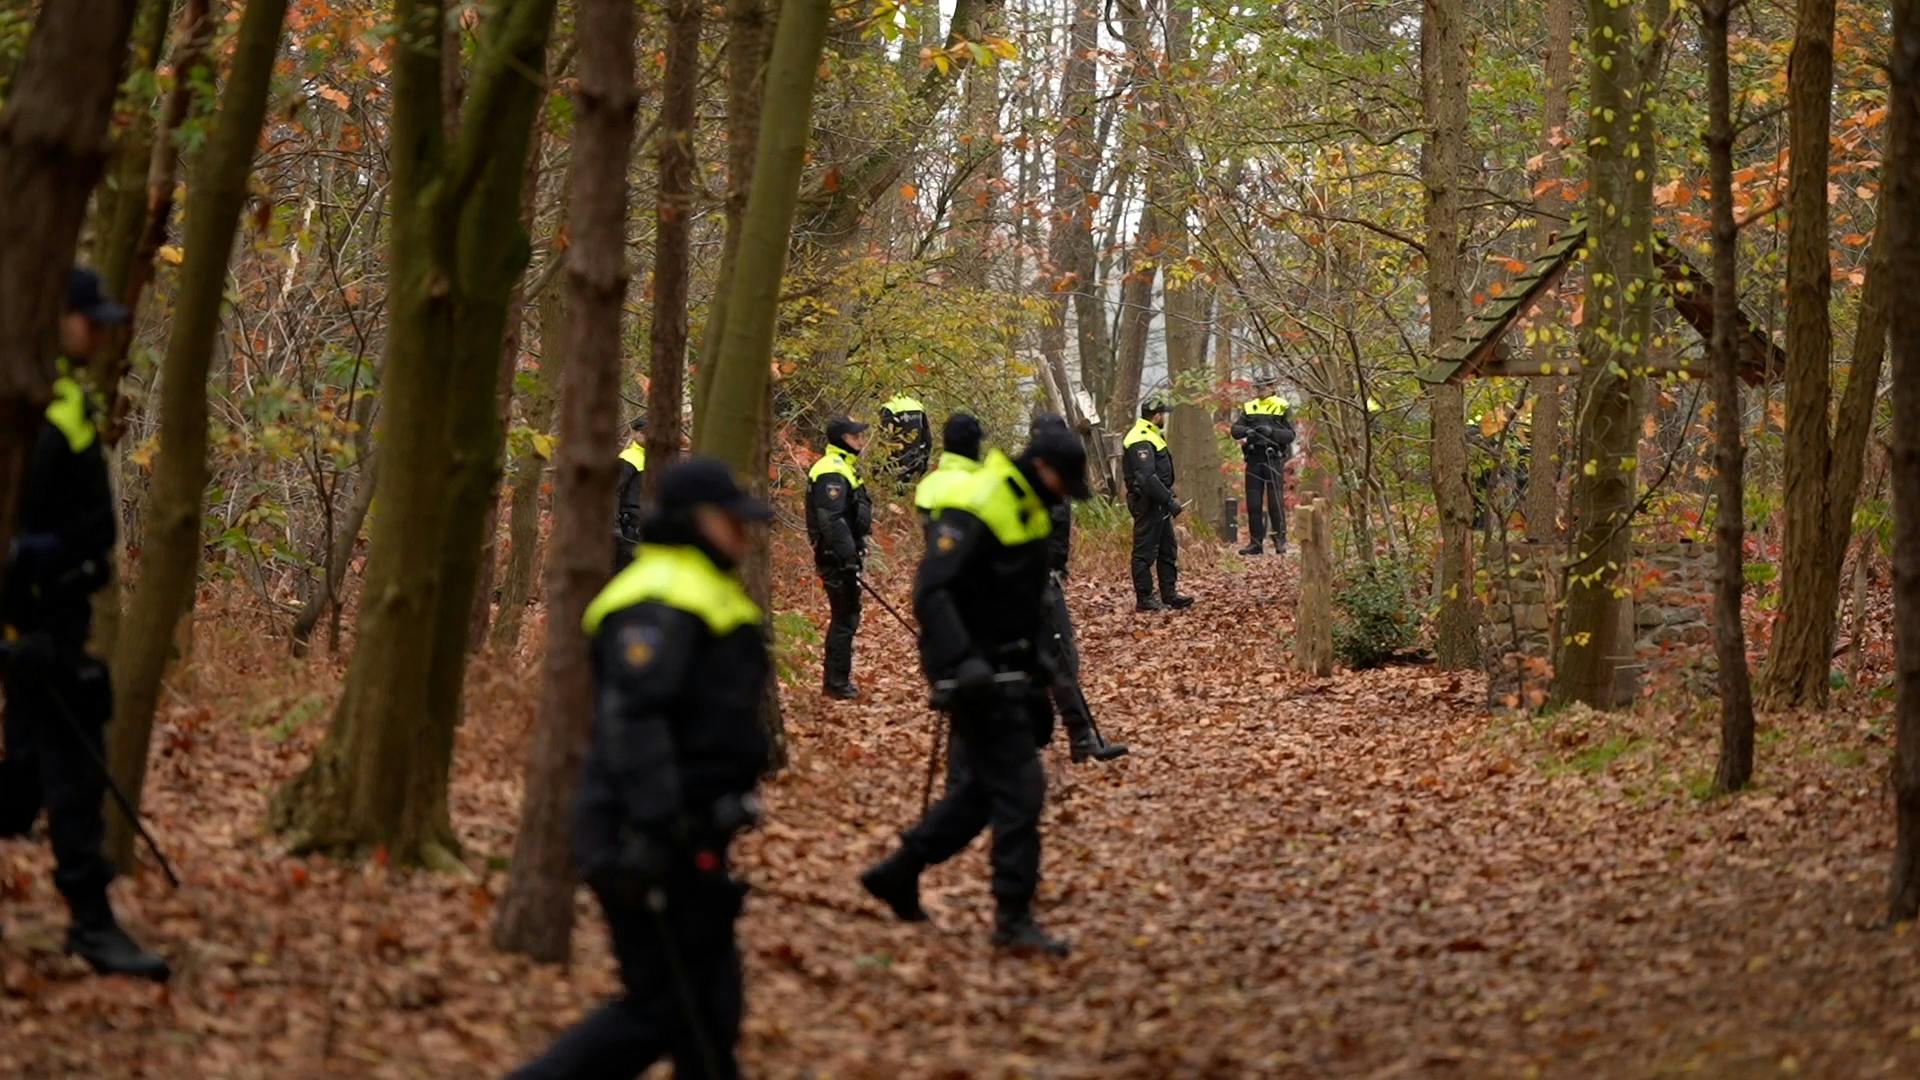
(980, 598)
(679, 665)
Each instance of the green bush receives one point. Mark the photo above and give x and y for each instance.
(1377, 616)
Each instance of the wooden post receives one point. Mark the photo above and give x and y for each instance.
(1313, 613)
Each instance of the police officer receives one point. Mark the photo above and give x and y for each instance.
(1084, 741)
(679, 665)
(839, 517)
(1265, 431)
(59, 697)
(980, 598)
(1150, 499)
(959, 459)
(909, 437)
(628, 506)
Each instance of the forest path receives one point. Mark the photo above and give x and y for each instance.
(1355, 876)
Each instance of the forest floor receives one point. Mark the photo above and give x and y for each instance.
(1362, 875)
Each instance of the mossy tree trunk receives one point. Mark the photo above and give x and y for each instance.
(379, 779)
(171, 544)
(536, 914)
(673, 221)
(1617, 334)
(523, 512)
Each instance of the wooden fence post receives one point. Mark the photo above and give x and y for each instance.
(1313, 611)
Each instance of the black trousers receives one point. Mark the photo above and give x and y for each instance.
(1266, 500)
(57, 717)
(684, 1000)
(1064, 659)
(994, 780)
(1154, 548)
(843, 607)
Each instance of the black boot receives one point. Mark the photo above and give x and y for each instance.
(895, 882)
(1251, 549)
(1176, 601)
(1107, 751)
(842, 691)
(1083, 746)
(1148, 603)
(1016, 932)
(97, 938)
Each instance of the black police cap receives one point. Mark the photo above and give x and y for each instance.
(1065, 454)
(703, 481)
(962, 435)
(87, 295)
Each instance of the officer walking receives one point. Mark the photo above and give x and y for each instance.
(632, 475)
(1265, 431)
(980, 598)
(959, 459)
(1150, 499)
(59, 697)
(1084, 741)
(839, 517)
(909, 435)
(679, 664)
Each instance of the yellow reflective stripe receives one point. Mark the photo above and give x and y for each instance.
(682, 578)
(1007, 504)
(1145, 430)
(948, 485)
(1267, 406)
(635, 455)
(904, 404)
(836, 460)
(68, 412)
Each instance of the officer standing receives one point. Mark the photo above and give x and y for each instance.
(679, 665)
(1265, 431)
(839, 517)
(959, 459)
(980, 598)
(1150, 499)
(909, 438)
(628, 507)
(59, 696)
(1084, 741)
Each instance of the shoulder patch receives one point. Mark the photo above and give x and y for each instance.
(945, 539)
(833, 491)
(638, 646)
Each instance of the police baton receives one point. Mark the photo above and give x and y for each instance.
(10, 653)
(882, 601)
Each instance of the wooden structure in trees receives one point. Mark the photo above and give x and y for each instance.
(1313, 611)
(1477, 351)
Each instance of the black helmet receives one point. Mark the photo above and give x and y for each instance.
(1062, 452)
(962, 435)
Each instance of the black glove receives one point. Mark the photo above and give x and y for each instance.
(973, 680)
(1174, 509)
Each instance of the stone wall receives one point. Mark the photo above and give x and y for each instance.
(1671, 613)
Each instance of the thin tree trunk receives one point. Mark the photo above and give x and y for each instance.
(1903, 265)
(673, 219)
(523, 516)
(1544, 457)
(53, 148)
(1443, 68)
(379, 779)
(346, 536)
(746, 55)
(1616, 335)
(1735, 768)
(171, 545)
(536, 913)
(730, 424)
(1152, 232)
(1800, 657)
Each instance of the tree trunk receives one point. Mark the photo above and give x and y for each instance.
(1190, 430)
(1443, 70)
(536, 913)
(1903, 266)
(346, 536)
(1615, 337)
(673, 219)
(1800, 658)
(171, 545)
(732, 417)
(523, 515)
(379, 779)
(53, 147)
(1151, 233)
(1544, 457)
(1735, 768)
(746, 57)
